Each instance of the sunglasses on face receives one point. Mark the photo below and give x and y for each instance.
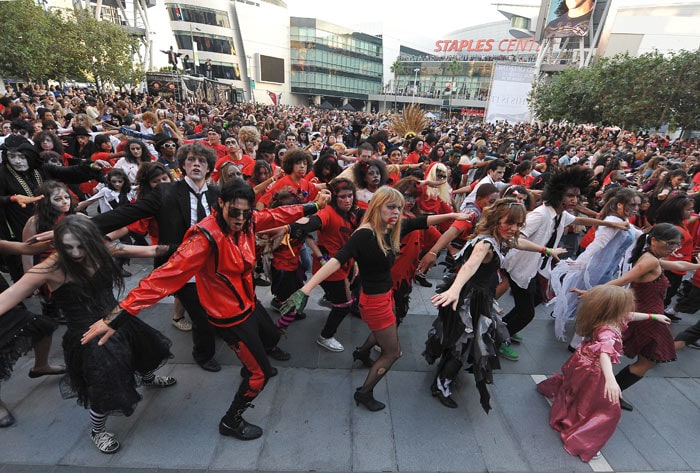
(238, 213)
(169, 145)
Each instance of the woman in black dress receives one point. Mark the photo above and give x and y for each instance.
(81, 276)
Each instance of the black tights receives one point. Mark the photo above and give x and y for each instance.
(388, 341)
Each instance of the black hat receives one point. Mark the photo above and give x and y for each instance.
(162, 138)
(80, 131)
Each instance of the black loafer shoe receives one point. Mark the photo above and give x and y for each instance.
(624, 405)
(7, 421)
(276, 353)
(211, 365)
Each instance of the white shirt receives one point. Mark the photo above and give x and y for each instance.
(193, 200)
(539, 225)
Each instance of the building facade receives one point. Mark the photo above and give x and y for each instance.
(332, 63)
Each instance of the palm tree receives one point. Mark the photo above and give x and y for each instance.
(454, 67)
(397, 68)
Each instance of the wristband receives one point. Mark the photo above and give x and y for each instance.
(432, 253)
(543, 250)
(649, 317)
(107, 238)
(548, 251)
(323, 259)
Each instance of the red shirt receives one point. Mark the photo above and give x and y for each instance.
(223, 264)
(335, 231)
(304, 188)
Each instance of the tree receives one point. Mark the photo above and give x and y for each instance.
(90, 50)
(29, 48)
(633, 92)
(102, 52)
(397, 68)
(683, 106)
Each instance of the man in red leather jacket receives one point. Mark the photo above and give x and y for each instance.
(220, 250)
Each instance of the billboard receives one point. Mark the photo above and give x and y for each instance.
(271, 69)
(510, 89)
(565, 18)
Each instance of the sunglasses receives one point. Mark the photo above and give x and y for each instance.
(169, 145)
(238, 213)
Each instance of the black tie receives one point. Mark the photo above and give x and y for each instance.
(201, 213)
(552, 239)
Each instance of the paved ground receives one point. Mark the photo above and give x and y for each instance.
(312, 424)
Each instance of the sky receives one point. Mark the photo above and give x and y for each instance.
(405, 21)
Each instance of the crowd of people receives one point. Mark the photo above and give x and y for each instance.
(230, 198)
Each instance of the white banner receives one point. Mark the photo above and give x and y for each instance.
(509, 92)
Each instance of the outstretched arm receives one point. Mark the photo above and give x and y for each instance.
(451, 296)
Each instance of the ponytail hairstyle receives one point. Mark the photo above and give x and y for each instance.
(661, 232)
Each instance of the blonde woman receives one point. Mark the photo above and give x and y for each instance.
(373, 246)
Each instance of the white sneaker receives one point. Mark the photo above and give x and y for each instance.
(330, 344)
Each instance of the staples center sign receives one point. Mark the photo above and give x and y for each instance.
(508, 45)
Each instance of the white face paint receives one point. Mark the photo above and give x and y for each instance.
(18, 161)
(60, 200)
(73, 247)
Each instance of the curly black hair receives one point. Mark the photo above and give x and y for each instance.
(563, 179)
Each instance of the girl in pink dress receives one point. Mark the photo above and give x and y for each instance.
(586, 407)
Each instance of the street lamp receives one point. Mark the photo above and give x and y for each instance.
(194, 49)
(415, 83)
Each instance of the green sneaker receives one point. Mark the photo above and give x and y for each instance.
(508, 353)
(517, 338)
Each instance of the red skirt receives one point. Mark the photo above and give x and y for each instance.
(377, 310)
(649, 338)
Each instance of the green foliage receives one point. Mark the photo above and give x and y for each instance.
(41, 45)
(28, 49)
(633, 92)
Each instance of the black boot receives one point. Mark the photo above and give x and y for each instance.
(625, 378)
(367, 399)
(363, 356)
(234, 425)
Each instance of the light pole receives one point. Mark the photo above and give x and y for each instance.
(415, 83)
(194, 50)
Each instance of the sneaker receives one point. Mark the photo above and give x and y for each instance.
(507, 352)
(330, 344)
(182, 324)
(159, 382)
(516, 338)
(105, 442)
